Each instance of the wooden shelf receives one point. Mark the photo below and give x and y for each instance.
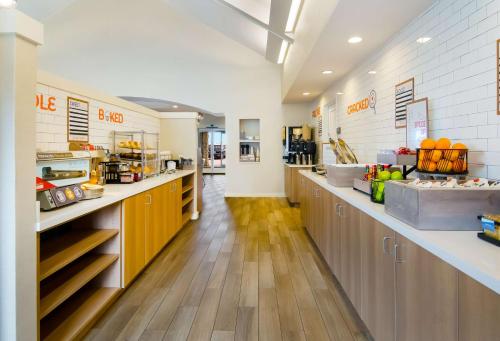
(187, 201)
(187, 188)
(186, 217)
(59, 252)
(64, 284)
(75, 316)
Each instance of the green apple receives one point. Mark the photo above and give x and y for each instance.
(397, 175)
(384, 175)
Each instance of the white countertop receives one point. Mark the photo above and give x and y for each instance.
(112, 194)
(461, 249)
(298, 166)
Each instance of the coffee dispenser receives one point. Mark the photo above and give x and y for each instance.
(302, 152)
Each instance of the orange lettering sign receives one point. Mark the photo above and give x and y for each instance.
(111, 117)
(358, 106)
(48, 105)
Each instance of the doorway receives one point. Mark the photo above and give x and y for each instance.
(213, 150)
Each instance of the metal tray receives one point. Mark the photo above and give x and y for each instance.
(443, 209)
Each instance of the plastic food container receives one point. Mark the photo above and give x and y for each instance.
(344, 175)
(443, 161)
(378, 191)
(491, 225)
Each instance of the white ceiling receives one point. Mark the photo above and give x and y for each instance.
(167, 106)
(374, 20)
(158, 32)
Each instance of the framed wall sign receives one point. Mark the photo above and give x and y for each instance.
(417, 128)
(78, 120)
(498, 77)
(404, 95)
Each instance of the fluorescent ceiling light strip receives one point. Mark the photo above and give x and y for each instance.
(293, 15)
(282, 55)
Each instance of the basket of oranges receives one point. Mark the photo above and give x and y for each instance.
(441, 157)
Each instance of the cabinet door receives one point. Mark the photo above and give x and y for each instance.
(350, 248)
(157, 222)
(426, 295)
(151, 229)
(303, 200)
(323, 233)
(377, 278)
(134, 211)
(479, 311)
(288, 183)
(177, 204)
(332, 254)
(170, 217)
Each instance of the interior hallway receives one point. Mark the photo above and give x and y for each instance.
(245, 270)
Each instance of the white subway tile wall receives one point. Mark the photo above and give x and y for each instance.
(51, 126)
(456, 70)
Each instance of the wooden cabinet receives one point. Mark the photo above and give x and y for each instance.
(479, 311)
(174, 208)
(307, 206)
(293, 181)
(426, 295)
(350, 252)
(151, 220)
(134, 229)
(377, 278)
(332, 243)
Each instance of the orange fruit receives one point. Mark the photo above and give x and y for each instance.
(428, 144)
(431, 166)
(420, 164)
(445, 166)
(459, 146)
(436, 155)
(443, 143)
(425, 155)
(459, 166)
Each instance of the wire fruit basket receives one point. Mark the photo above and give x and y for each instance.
(443, 161)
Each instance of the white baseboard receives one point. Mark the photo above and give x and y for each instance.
(254, 195)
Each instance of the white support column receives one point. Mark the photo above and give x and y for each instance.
(19, 37)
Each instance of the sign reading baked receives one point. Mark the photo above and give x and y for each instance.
(110, 116)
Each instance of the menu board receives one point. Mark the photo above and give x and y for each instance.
(404, 95)
(417, 128)
(78, 120)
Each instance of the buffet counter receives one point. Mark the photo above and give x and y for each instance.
(112, 194)
(461, 249)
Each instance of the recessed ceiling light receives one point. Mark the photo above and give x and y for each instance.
(8, 3)
(175, 106)
(327, 72)
(355, 40)
(293, 15)
(306, 93)
(372, 72)
(340, 93)
(283, 50)
(423, 40)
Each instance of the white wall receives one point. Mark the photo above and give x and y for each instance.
(179, 134)
(456, 71)
(178, 59)
(51, 126)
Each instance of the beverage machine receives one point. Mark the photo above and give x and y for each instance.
(302, 152)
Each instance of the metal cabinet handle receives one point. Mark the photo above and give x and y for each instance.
(384, 245)
(150, 199)
(398, 260)
(337, 206)
(341, 211)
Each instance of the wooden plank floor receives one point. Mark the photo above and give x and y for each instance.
(245, 270)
